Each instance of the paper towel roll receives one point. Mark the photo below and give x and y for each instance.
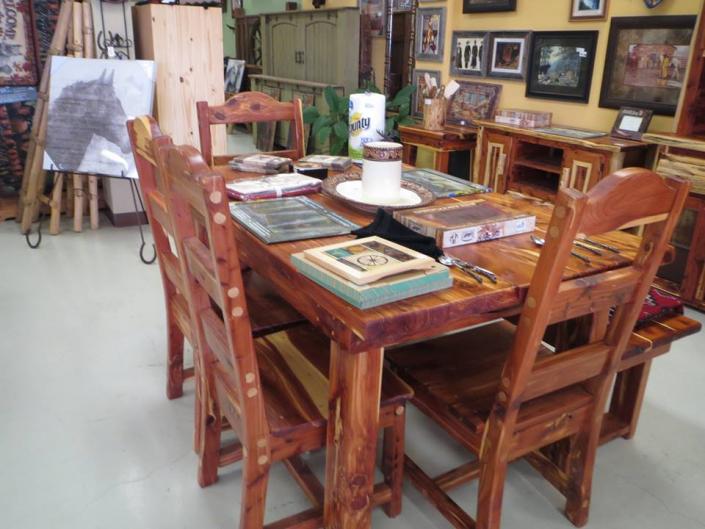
(367, 116)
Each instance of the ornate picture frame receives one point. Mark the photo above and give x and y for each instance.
(508, 54)
(561, 65)
(647, 61)
(473, 101)
(469, 53)
(430, 33)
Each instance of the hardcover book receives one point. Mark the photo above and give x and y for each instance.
(281, 185)
(441, 184)
(466, 222)
(260, 163)
(366, 260)
(336, 163)
(401, 286)
(289, 219)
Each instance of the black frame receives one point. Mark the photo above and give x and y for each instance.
(496, 5)
(642, 113)
(646, 22)
(584, 39)
(526, 36)
(484, 35)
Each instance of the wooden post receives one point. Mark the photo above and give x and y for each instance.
(77, 51)
(89, 53)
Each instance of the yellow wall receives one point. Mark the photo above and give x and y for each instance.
(330, 4)
(539, 15)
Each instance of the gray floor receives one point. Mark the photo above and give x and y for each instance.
(89, 440)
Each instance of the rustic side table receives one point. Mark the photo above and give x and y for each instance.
(442, 143)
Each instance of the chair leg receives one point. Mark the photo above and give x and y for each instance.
(581, 462)
(175, 359)
(493, 472)
(393, 461)
(628, 395)
(254, 494)
(208, 430)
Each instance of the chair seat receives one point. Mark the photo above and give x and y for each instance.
(456, 378)
(268, 311)
(293, 368)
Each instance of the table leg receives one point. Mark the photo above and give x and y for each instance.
(442, 161)
(353, 419)
(409, 154)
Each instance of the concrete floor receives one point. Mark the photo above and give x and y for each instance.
(89, 440)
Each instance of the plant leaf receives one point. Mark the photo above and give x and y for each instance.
(337, 146)
(407, 121)
(321, 121)
(331, 98)
(404, 95)
(310, 114)
(323, 134)
(341, 130)
(390, 123)
(344, 108)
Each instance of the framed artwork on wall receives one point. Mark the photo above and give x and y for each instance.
(402, 5)
(375, 10)
(469, 56)
(419, 81)
(485, 6)
(646, 62)
(561, 64)
(430, 33)
(631, 123)
(588, 9)
(473, 101)
(17, 58)
(508, 54)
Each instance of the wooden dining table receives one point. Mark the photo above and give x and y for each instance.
(359, 337)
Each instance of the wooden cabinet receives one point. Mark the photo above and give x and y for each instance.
(317, 46)
(186, 43)
(537, 164)
(684, 157)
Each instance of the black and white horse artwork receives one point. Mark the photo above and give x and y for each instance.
(86, 130)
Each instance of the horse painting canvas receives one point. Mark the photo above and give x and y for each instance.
(90, 100)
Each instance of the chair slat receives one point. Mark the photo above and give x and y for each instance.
(198, 258)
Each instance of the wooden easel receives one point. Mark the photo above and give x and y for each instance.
(73, 36)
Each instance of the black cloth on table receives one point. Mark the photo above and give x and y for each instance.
(387, 227)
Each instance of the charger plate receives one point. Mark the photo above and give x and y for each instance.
(347, 188)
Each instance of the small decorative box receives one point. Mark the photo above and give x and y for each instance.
(523, 118)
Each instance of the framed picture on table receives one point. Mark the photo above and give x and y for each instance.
(473, 101)
(488, 6)
(647, 61)
(430, 33)
(469, 56)
(588, 10)
(418, 79)
(631, 123)
(561, 64)
(508, 54)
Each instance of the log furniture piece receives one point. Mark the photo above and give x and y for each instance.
(250, 107)
(186, 43)
(685, 157)
(268, 312)
(319, 46)
(504, 395)
(359, 337)
(286, 90)
(442, 143)
(511, 158)
(272, 390)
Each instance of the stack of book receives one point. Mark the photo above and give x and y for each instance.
(276, 186)
(372, 271)
(260, 163)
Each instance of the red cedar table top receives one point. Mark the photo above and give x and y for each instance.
(467, 302)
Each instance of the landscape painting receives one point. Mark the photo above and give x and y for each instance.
(90, 100)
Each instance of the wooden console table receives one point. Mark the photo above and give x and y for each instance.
(534, 163)
(442, 143)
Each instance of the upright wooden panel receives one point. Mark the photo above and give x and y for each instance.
(320, 57)
(186, 42)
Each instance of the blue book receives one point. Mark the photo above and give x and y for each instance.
(387, 290)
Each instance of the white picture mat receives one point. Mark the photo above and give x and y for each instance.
(133, 86)
(631, 123)
(508, 40)
(597, 12)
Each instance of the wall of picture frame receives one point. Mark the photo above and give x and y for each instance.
(487, 46)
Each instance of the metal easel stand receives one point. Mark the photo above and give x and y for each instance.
(135, 196)
(34, 245)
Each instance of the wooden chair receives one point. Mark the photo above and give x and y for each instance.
(269, 312)
(250, 107)
(503, 395)
(272, 390)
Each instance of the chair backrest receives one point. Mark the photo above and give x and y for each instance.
(146, 138)
(629, 197)
(205, 237)
(251, 107)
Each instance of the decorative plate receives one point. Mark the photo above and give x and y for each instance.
(347, 188)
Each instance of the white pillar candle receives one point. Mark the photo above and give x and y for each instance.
(381, 172)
